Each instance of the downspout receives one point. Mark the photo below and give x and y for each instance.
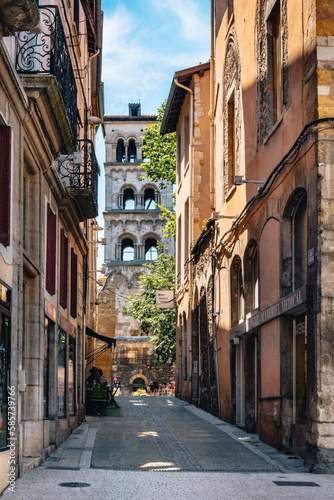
(212, 106)
(191, 199)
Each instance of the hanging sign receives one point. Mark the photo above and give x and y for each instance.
(164, 299)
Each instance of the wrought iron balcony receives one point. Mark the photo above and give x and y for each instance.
(79, 172)
(40, 55)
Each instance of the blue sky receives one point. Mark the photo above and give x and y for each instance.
(144, 43)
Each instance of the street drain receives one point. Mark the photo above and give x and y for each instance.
(295, 483)
(78, 431)
(74, 485)
(53, 459)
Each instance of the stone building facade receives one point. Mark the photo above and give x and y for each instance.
(260, 321)
(133, 224)
(48, 198)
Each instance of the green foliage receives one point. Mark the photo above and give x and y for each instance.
(170, 217)
(160, 153)
(159, 323)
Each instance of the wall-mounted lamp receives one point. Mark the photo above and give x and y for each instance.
(98, 228)
(216, 216)
(94, 120)
(238, 180)
(236, 341)
(102, 241)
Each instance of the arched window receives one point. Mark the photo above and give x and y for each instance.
(149, 199)
(132, 151)
(129, 199)
(251, 277)
(237, 299)
(128, 251)
(120, 151)
(151, 251)
(299, 243)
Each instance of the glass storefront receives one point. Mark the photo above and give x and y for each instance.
(61, 373)
(71, 375)
(4, 361)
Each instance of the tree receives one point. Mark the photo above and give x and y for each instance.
(159, 323)
(159, 152)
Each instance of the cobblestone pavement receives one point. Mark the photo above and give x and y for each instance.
(163, 448)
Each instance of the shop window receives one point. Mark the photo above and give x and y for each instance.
(63, 269)
(61, 373)
(5, 304)
(151, 251)
(132, 151)
(48, 335)
(128, 199)
(237, 300)
(71, 375)
(128, 250)
(149, 199)
(5, 183)
(74, 283)
(51, 252)
(120, 151)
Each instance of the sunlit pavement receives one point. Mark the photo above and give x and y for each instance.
(163, 448)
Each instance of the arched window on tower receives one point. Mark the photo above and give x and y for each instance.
(132, 151)
(151, 251)
(149, 199)
(129, 199)
(128, 251)
(120, 151)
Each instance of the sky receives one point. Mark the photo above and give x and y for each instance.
(144, 43)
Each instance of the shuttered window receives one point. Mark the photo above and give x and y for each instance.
(5, 174)
(63, 269)
(74, 283)
(51, 252)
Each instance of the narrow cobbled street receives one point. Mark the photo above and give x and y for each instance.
(164, 448)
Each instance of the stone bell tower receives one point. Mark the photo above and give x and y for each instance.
(133, 224)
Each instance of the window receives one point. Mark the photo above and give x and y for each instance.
(231, 141)
(251, 277)
(151, 252)
(186, 141)
(127, 249)
(51, 252)
(300, 244)
(5, 180)
(186, 230)
(61, 375)
(149, 199)
(274, 63)
(74, 283)
(178, 158)
(48, 330)
(5, 303)
(237, 309)
(128, 199)
(120, 151)
(63, 269)
(132, 151)
(71, 374)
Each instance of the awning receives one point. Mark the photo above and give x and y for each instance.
(92, 355)
(108, 340)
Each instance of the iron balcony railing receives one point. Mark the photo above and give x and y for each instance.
(47, 53)
(79, 172)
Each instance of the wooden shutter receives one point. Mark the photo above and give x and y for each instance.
(5, 187)
(51, 252)
(74, 283)
(63, 269)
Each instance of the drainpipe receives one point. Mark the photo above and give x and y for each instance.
(191, 198)
(212, 106)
